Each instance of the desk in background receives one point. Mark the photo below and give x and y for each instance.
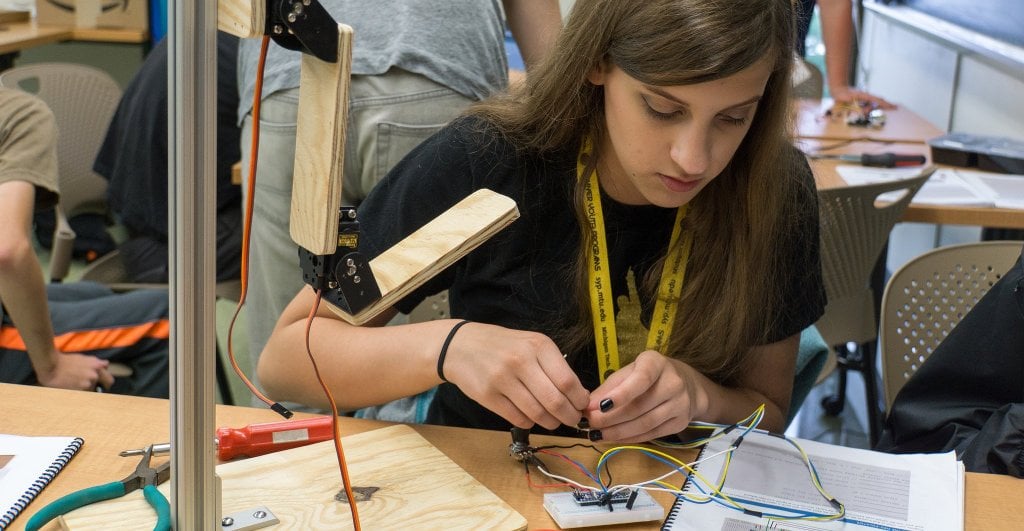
(111, 423)
(18, 36)
(904, 132)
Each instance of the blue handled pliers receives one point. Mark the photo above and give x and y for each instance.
(144, 477)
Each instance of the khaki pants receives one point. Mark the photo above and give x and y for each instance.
(389, 115)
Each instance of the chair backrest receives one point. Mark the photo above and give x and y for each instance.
(110, 269)
(855, 227)
(927, 297)
(82, 99)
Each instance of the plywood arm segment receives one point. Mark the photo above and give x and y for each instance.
(410, 263)
(355, 289)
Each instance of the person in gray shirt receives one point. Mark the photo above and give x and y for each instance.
(416, 64)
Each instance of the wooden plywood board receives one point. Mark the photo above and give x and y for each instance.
(420, 488)
(242, 18)
(320, 148)
(435, 246)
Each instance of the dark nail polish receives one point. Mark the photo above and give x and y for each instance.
(594, 435)
(606, 404)
(583, 424)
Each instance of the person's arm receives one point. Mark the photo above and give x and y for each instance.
(837, 34)
(23, 293)
(535, 25)
(519, 375)
(657, 396)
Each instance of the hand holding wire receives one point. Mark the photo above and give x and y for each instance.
(522, 376)
(651, 397)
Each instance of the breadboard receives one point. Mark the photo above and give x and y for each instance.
(568, 514)
(420, 488)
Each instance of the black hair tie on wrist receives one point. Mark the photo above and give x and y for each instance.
(444, 349)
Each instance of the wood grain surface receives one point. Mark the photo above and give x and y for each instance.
(420, 488)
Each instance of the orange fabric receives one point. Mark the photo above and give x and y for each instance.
(86, 340)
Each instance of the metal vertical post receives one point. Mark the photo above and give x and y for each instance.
(192, 30)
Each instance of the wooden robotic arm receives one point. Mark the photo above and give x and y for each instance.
(356, 289)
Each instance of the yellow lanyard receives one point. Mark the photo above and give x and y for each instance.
(601, 306)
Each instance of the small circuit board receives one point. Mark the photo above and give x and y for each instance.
(589, 497)
(581, 508)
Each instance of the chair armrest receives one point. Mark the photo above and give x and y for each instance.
(60, 250)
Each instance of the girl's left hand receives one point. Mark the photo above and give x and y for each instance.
(652, 397)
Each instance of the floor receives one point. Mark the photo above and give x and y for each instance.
(846, 429)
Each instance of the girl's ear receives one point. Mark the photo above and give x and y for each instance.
(599, 73)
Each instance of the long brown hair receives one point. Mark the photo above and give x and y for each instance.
(729, 300)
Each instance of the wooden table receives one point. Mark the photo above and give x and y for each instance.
(17, 36)
(111, 423)
(904, 132)
(116, 35)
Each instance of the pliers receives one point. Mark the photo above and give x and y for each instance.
(144, 477)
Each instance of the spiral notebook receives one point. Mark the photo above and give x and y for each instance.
(27, 466)
(908, 492)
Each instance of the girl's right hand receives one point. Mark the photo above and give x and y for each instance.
(519, 375)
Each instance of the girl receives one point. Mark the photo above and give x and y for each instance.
(647, 154)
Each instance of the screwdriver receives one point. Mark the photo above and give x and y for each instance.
(260, 439)
(878, 160)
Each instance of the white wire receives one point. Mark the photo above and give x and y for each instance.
(642, 485)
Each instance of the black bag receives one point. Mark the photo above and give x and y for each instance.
(91, 237)
(968, 396)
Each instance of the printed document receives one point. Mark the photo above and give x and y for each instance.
(947, 186)
(913, 492)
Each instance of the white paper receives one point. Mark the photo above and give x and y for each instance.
(32, 456)
(914, 492)
(947, 186)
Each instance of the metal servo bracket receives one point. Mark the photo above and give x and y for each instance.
(344, 278)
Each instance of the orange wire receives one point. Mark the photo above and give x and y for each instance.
(247, 224)
(246, 230)
(334, 411)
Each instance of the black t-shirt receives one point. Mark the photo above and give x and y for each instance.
(133, 156)
(804, 13)
(522, 277)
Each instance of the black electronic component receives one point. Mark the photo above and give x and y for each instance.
(591, 497)
(520, 447)
(986, 153)
(345, 277)
(303, 25)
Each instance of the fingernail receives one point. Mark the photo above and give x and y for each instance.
(594, 435)
(606, 404)
(583, 424)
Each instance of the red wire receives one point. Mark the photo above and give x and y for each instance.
(566, 459)
(529, 481)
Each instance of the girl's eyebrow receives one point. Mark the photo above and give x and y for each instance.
(670, 97)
